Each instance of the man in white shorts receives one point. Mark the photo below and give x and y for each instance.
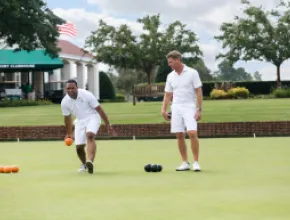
(88, 112)
(183, 84)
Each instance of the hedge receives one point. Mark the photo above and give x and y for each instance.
(254, 87)
(23, 102)
(107, 90)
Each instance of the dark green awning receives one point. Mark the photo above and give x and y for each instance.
(36, 60)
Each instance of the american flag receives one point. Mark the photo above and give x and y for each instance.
(67, 29)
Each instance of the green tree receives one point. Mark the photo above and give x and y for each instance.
(113, 78)
(126, 80)
(257, 76)
(120, 48)
(29, 25)
(258, 35)
(227, 72)
(163, 71)
(201, 68)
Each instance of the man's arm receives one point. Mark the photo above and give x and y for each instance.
(199, 103)
(166, 100)
(199, 98)
(68, 125)
(103, 115)
(168, 93)
(67, 118)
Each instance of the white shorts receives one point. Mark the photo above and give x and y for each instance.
(89, 124)
(183, 118)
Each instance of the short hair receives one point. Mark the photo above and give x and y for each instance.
(174, 55)
(72, 81)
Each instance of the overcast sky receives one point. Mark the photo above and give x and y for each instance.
(203, 17)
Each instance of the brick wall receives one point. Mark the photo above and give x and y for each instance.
(226, 129)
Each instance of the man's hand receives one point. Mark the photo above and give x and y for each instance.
(197, 115)
(110, 129)
(167, 98)
(165, 115)
(68, 136)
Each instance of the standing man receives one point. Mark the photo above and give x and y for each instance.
(88, 112)
(183, 84)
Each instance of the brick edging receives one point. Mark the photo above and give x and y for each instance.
(162, 130)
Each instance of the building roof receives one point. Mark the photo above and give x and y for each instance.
(25, 61)
(70, 48)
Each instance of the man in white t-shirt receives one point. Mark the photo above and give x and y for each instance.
(88, 112)
(184, 88)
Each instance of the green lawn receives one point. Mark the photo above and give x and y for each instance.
(124, 113)
(241, 179)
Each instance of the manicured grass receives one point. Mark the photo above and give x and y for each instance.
(241, 179)
(126, 113)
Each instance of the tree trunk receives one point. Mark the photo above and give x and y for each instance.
(149, 78)
(151, 74)
(278, 76)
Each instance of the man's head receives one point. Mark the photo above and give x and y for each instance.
(174, 59)
(72, 88)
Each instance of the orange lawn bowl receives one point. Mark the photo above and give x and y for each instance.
(7, 169)
(1, 169)
(15, 169)
(68, 141)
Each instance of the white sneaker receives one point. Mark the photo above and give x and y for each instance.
(183, 167)
(195, 166)
(82, 169)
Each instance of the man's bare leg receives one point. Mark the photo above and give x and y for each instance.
(194, 148)
(82, 156)
(183, 152)
(81, 153)
(194, 144)
(91, 151)
(182, 146)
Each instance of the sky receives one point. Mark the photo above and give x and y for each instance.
(203, 17)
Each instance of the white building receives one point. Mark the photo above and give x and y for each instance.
(48, 75)
(77, 65)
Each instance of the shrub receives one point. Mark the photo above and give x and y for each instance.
(218, 94)
(120, 97)
(239, 92)
(260, 87)
(23, 102)
(107, 90)
(111, 100)
(282, 93)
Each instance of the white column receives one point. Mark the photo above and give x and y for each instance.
(56, 77)
(38, 84)
(69, 70)
(73, 74)
(30, 77)
(81, 71)
(93, 80)
(18, 78)
(14, 77)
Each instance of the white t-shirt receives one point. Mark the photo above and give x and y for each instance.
(183, 86)
(81, 107)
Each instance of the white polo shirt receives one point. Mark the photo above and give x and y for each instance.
(81, 107)
(183, 86)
